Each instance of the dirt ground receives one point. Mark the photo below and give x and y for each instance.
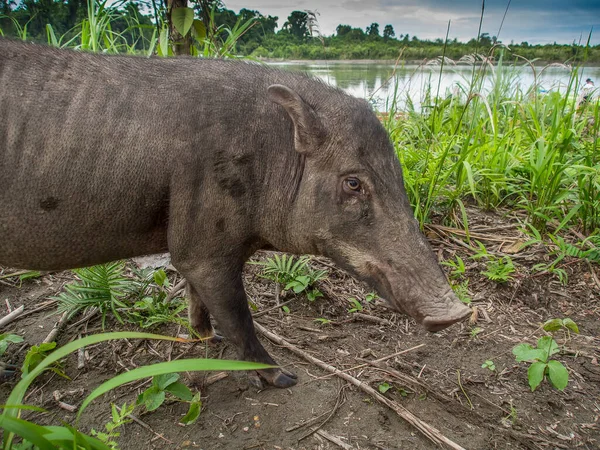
(442, 382)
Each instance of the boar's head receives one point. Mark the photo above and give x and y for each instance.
(350, 205)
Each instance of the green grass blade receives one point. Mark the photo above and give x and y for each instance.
(187, 365)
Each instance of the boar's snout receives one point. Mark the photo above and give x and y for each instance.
(451, 310)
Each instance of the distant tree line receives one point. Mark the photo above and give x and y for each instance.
(298, 37)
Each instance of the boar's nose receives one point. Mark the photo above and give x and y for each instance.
(455, 313)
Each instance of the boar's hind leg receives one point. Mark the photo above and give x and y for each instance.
(222, 292)
(200, 317)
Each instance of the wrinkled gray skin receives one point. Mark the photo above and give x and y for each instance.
(110, 157)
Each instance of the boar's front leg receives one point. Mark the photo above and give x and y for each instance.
(218, 287)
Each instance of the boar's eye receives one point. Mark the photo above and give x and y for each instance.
(352, 184)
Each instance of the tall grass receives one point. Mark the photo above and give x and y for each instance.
(497, 145)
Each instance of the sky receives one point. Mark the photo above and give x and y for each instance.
(534, 21)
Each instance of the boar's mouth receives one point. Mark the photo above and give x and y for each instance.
(435, 310)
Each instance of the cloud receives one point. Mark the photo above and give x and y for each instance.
(534, 21)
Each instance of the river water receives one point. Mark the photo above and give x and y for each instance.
(379, 82)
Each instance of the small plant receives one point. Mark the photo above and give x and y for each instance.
(356, 305)
(6, 340)
(462, 291)
(500, 270)
(512, 416)
(153, 397)
(384, 387)
(36, 355)
(294, 274)
(103, 287)
(475, 331)
(489, 364)
(541, 364)
(119, 418)
(566, 324)
(458, 267)
(323, 321)
(370, 297)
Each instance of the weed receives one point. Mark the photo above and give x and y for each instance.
(384, 387)
(119, 417)
(67, 437)
(36, 354)
(499, 270)
(458, 267)
(462, 291)
(104, 287)
(6, 340)
(541, 364)
(475, 331)
(356, 305)
(153, 397)
(294, 274)
(489, 364)
(323, 321)
(566, 325)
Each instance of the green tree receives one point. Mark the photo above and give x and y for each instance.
(373, 29)
(296, 25)
(342, 30)
(388, 32)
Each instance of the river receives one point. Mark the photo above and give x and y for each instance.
(377, 82)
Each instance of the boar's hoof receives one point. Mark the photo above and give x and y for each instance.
(279, 378)
(214, 339)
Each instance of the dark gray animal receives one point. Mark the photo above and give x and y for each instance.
(109, 157)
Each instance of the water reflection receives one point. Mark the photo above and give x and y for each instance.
(379, 82)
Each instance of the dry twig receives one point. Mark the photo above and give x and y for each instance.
(427, 430)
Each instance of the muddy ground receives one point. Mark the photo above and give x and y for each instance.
(442, 382)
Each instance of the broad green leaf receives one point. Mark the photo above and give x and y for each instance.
(553, 325)
(27, 430)
(153, 397)
(571, 325)
(185, 365)
(163, 42)
(6, 339)
(160, 278)
(384, 387)
(199, 29)
(194, 411)
(182, 19)
(162, 381)
(535, 374)
(525, 352)
(558, 374)
(548, 345)
(180, 390)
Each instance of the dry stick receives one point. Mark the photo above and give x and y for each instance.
(427, 430)
(146, 426)
(39, 308)
(262, 313)
(374, 362)
(12, 316)
(373, 319)
(594, 276)
(92, 313)
(56, 328)
(173, 292)
(336, 440)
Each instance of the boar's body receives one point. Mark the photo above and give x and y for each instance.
(109, 157)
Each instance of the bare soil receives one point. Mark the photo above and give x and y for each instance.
(442, 382)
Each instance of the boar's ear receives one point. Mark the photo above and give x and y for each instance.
(309, 129)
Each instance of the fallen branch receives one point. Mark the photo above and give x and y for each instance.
(56, 328)
(373, 319)
(336, 440)
(12, 316)
(173, 292)
(427, 430)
